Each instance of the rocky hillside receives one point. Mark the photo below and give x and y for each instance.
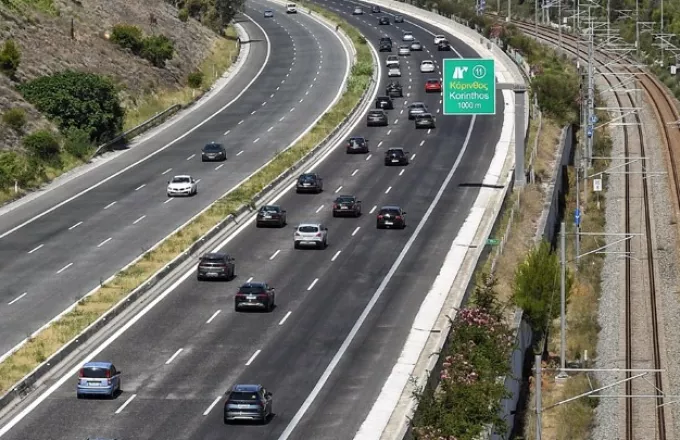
(49, 43)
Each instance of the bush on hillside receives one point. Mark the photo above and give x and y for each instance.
(195, 79)
(215, 14)
(42, 145)
(80, 100)
(536, 287)
(15, 167)
(77, 142)
(157, 49)
(128, 37)
(10, 58)
(15, 118)
(183, 15)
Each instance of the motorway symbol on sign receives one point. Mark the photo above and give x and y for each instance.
(493, 241)
(469, 86)
(597, 185)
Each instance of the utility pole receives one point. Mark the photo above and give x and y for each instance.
(591, 92)
(663, 40)
(539, 404)
(536, 18)
(563, 300)
(559, 23)
(509, 10)
(637, 28)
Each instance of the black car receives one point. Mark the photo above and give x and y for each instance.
(310, 182)
(213, 151)
(396, 156)
(385, 44)
(271, 215)
(391, 217)
(444, 45)
(375, 9)
(215, 266)
(346, 205)
(376, 118)
(255, 295)
(383, 20)
(398, 18)
(384, 103)
(426, 120)
(248, 402)
(357, 144)
(394, 90)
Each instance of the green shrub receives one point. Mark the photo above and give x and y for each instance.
(536, 287)
(77, 142)
(15, 118)
(10, 58)
(195, 79)
(128, 37)
(557, 95)
(158, 49)
(183, 15)
(80, 100)
(42, 145)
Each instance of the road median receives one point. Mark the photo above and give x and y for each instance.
(20, 370)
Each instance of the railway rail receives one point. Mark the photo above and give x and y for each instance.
(667, 115)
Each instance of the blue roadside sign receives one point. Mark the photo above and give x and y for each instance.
(577, 217)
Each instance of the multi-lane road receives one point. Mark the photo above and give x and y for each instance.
(52, 252)
(181, 357)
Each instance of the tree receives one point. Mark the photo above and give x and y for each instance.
(10, 58)
(226, 11)
(78, 99)
(536, 287)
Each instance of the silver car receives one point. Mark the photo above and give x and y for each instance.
(416, 46)
(408, 36)
(392, 61)
(311, 234)
(416, 108)
(404, 51)
(393, 72)
(358, 11)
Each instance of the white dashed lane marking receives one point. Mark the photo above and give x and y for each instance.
(109, 205)
(75, 226)
(35, 248)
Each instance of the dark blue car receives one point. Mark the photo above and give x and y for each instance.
(98, 378)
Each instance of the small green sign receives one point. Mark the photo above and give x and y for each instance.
(469, 86)
(493, 241)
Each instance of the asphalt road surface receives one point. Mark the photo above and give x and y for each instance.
(173, 394)
(51, 262)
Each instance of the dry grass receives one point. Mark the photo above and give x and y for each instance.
(220, 58)
(88, 310)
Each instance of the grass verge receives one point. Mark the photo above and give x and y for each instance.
(221, 57)
(89, 309)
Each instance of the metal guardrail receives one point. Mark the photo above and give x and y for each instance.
(124, 138)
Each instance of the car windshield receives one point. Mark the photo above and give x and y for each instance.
(181, 180)
(307, 178)
(243, 396)
(427, 63)
(94, 373)
(269, 209)
(346, 199)
(395, 152)
(212, 147)
(432, 81)
(251, 288)
(308, 229)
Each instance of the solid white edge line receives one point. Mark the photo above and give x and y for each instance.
(376, 296)
(172, 358)
(155, 152)
(285, 317)
(212, 405)
(214, 315)
(122, 407)
(190, 272)
(252, 358)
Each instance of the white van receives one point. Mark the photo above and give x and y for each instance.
(291, 8)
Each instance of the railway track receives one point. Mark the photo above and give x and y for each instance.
(636, 187)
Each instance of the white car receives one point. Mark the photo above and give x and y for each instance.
(392, 61)
(358, 11)
(311, 234)
(182, 186)
(408, 36)
(439, 38)
(427, 66)
(291, 8)
(404, 51)
(393, 72)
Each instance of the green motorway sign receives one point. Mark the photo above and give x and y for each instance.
(469, 86)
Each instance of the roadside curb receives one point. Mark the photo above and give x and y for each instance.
(226, 226)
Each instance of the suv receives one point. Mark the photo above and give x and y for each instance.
(376, 118)
(346, 205)
(271, 214)
(357, 144)
(391, 217)
(214, 266)
(396, 156)
(383, 20)
(310, 182)
(213, 151)
(443, 45)
(426, 120)
(394, 90)
(385, 44)
(255, 295)
(248, 402)
(384, 103)
(314, 234)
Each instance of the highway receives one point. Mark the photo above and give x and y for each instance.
(51, 262)
(184, 354)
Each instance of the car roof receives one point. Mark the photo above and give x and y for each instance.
(104, 365)
(248, 388)
(301, 225)
(253, 284)
(390, 207)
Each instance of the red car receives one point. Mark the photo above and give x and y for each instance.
(433, 85)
